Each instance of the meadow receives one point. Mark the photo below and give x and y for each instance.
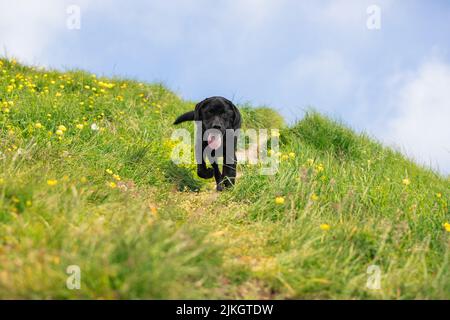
(86, 179)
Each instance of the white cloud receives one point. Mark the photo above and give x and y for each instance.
(28, 28)
(421, 115)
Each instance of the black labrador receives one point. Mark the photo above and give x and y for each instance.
(218, 119)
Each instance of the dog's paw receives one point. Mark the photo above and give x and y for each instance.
(219, 187)
(207, 173)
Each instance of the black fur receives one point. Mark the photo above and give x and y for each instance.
(219, 114)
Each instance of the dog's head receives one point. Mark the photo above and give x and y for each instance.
(217, 113)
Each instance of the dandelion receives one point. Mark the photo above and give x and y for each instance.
(439, 195)
(279, 200)
(447, 226)
(112, 185)
(28, 203)
(79, 126)
(319, 168)
(314, 197)
(325, 227)
(83, 179)
(274, 133)
(116, 177)
(292, 155)
(58, 94)
(38, 125)
(406, 182)
(62, 128)
(284, 157)
(59, 132)
(109, 171)
(94, 127)
(310, 162)
(52, 182)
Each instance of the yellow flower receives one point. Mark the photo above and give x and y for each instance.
(406, 182)
(447, 226)
(83, 179)
(79, 126)
(59, 132)
(38, 125)
(319, 167)
(279, 200)
(28, 203)
(284, 157)
(325, 227)
(291, 155)
(270, 152)
(58, 94)
(62, 128)
(52, 182)
(314, 197)
(439, 195)
(109, 171)
(116, 177)
(112, 185)
(310, 162)
(274, 133)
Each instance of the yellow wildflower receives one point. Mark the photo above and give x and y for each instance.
(274, 133)
(116, 177)
(447, 226)
(38, 125)
(52, 182)
(109, 171)
(59, 132)
(279, 200)
(62, 128)
(79, 126)
(314, 197)
(112, 185)
(406, 182)
(325, 227)
(291, 155)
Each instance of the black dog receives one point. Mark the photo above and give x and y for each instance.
(219, 119)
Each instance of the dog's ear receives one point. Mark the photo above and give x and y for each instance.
(237, 116)
(197, 113)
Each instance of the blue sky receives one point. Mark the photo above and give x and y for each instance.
(393, 83)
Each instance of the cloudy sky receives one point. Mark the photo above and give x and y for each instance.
(392, 82)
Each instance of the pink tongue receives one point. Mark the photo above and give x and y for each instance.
(214, 142)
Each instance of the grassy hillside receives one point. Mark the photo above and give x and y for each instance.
(86, 179)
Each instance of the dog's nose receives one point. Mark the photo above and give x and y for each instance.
(218, 127)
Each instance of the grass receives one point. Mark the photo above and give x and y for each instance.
(87, 180)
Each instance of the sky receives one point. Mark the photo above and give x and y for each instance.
(384, 72)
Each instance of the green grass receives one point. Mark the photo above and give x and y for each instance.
(161, 232)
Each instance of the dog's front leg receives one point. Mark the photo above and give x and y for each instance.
(203, 171)
(217, 176)
(229, 166)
